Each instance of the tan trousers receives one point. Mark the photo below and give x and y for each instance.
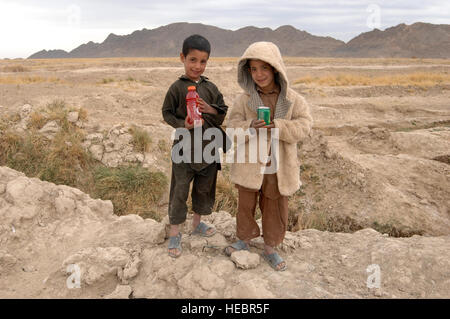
(274, 209)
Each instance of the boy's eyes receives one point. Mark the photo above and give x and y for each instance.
(265, 68)
(195, 60)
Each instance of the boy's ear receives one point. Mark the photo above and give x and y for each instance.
(182, 57)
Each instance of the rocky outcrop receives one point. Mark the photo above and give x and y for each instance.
(113, 147)
(59, 242)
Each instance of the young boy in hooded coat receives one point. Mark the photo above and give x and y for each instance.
(262, 75)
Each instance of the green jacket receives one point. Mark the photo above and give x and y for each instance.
(174, 110)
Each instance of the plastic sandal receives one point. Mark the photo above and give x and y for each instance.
(202, 230)
(274, 260)
(175, 243)
(239, 245)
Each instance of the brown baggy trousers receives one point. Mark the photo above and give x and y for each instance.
(274, 210)
(203, 190)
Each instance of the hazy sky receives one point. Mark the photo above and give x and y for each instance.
(29, 26)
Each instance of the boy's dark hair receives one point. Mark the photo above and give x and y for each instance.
(196, 42)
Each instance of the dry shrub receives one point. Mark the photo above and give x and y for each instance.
(57, 105)
(60, 160)
(325, 222)
(66, 159)
(37, 120)
(163, 146)
(82, 114)
(106, 81)
(141, 140)
(391, 228)
(15, 68)
(57, 160)
(27, 79)
(23, 152)
(9, 145)
(226, 196)
(57, 111)
(132, 189)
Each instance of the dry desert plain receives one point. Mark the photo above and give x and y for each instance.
(380, 144)
(378, 156)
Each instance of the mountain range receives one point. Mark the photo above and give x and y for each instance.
(421, 40)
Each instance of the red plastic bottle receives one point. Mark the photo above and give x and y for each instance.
(192, 104)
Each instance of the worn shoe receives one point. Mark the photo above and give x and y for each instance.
(274, 260)
(239, 245)
(175, 243)
(202, 230)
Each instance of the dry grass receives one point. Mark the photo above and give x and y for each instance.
(37, 120)
(9, 144)
(7, 120)
(226, 195)
(132, 190)
(83, 63)
(416, 79)
(164, 147)
(324, 222)
(55, 111)
(138, 62)
(67, 161)
(59, 160)
(63, 160)
(82, 114)
(26, 153)
(28, 80)
(141, 140)
(106, 81)
(15, 68)
(362, 61)
(393, 230)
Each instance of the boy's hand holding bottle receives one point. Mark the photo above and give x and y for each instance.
(190, 124)
(205, 107)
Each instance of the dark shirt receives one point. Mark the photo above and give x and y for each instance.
(174, 108)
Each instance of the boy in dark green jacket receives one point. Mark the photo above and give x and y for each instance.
(203, 173)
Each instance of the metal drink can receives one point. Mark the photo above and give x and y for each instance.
(264, 114)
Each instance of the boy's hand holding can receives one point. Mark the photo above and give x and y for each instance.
(257, 124)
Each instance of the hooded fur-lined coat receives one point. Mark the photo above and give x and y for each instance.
(292, 118)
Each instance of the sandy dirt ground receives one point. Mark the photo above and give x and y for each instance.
(379, 153)
(378, 158)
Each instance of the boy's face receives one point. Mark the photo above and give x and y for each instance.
(263, 74)
(194, 63)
